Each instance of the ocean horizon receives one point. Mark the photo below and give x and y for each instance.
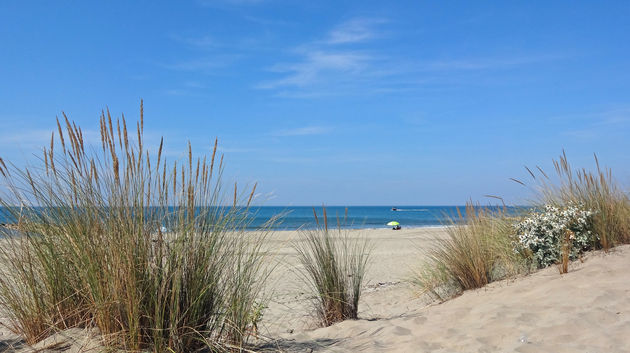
(349, 217)
(361, 217)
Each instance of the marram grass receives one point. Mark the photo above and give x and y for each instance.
(91, 249)
(596, 191)
(334, 267)
(478, 249)
(483, 247)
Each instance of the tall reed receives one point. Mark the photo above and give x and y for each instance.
(595, 190)
(334, 266)
(478, 249)
(149, 252)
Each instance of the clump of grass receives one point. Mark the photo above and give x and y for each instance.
(596, 191)
(479, 248)
(334, 266)
(91, 249)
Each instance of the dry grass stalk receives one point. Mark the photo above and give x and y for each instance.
(566, 250)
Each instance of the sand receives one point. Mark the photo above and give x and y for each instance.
(393, 259)
(586, 310)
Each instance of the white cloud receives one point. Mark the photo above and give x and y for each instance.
(597, 125)
(324, 62)
(33, 141)
(347, 60)
(354, 31)
(29, 138)
(185, 89)
(315, 66)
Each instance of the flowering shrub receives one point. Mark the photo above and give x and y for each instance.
(543, 233)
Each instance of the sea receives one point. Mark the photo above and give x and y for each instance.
(296, 217)
(354, 217)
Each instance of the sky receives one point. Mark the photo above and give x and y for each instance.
(332, 102)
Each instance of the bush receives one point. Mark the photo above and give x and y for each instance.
(150, 254)
(544, 233)
(479, 249)
(595, 191)
(334, 267)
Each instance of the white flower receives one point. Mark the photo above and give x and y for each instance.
(543, 233)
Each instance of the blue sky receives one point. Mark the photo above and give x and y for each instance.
(335, 102)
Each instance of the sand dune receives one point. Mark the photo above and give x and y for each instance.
(586, 310)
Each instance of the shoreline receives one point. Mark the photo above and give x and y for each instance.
(356, 229)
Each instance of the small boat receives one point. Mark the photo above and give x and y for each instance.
(394, 209)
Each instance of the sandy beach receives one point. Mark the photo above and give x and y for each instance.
(585, 310)
(393, 258)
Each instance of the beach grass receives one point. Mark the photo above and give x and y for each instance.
(483, 246)
(148, 252)
(334, 267)
(596, 191)
(479, 248)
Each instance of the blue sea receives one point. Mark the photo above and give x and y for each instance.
(296, 217)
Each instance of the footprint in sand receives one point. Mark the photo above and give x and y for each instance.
(401, 331)
(419, 320)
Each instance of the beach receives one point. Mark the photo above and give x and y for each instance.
(393, 258)
(585, 310)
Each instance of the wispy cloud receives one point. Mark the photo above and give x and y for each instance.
(354, 31)
(618, 117)
(348, 59)
(37, 139)
(28, 138)
(207, 54)
(303, 131)
(604, 117)
(185, 89)
(335, 158)
(333, 60)
(316, 66)
(485, 63)
(597, 125)
(265, 197)
(206, 65)
(582, 134)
